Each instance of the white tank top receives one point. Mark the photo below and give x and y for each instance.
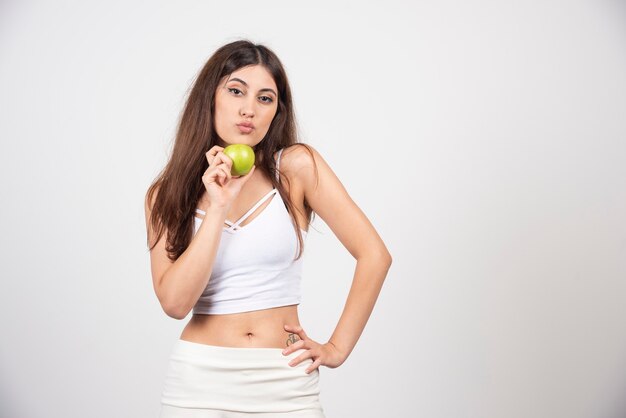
(254, 267)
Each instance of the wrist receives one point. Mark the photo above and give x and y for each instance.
(343, 355)
(217, 210)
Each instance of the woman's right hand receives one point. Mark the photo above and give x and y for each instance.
(221, 186)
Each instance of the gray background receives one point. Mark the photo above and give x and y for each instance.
(484, 140)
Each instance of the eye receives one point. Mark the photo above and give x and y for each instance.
(235, 90)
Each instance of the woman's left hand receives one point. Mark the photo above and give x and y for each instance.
(322, 354)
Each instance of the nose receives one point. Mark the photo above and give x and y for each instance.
(246, 110)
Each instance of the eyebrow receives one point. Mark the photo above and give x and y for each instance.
(246, 84)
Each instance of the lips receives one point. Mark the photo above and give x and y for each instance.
(245, 129)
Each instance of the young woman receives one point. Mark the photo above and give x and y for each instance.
(229, 248)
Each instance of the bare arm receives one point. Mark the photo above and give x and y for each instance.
(331, 202)
(367, 282)
(180, 284)
(185, 280)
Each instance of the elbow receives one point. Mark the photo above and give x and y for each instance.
(385, 257)
(171, 304)
(386, 260)
(175, 311)
(382, 257)
(175, 314)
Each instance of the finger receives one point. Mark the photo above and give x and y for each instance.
(222, 158)
(220, 165)
(314, 366)
(295, 329)
(210, 155)
(307, 354)
(220, 176)
(213, 153)
(298, 330)
(293, 347)
(292, 329)
(224, 169)
(227, 170)
(214, 159)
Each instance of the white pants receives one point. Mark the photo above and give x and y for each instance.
(207, 381)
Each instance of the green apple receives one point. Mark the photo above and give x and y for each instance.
(242, 156)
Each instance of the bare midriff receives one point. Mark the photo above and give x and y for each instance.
(257, 329)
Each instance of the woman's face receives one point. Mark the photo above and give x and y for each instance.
(248, 95)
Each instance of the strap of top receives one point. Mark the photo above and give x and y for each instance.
(253, 208)
(278, 164)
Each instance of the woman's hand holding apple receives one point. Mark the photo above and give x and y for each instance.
(220, 184)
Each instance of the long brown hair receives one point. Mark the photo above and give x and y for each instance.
(179, 183)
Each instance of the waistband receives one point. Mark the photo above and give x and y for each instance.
(235, 353)
(239, 379)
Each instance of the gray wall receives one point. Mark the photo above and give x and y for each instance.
(484, 140)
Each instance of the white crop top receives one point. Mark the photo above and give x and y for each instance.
(254, 267)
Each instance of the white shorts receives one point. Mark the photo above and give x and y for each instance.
(207, 381)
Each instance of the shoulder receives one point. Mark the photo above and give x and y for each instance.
(299, 162)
